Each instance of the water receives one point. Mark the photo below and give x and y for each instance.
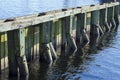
(14, 8)
(101, 65)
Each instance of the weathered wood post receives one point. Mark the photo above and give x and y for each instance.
(68, 42)
(29, 42)
(52, 40)
(103, 20)
(116, 16)
(64, 40)
(3, 51)
(70, 39)
(94, 30)
(74, 25)
(0, 53)
(57, 35)
(110, 18)
(35, 41)
(78, 41)
(82, 37)
(16, 56)
(47, 52)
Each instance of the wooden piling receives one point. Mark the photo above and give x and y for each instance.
(52, 41)
(21, 58)
(17, 58)
(78, 29)
(13, 68)
(36, 41)
(63, 44)
(6, 52)
(72, 32)
(88, 21)
(58, 35)
(30, 36)
(74, 25)
(103, 20)
(68, 42)
(0, 53)
(94, 30)
(3, 52)
(71, 45)
(54, 33)
(82, 37)
(110, 18)
(26, 43)
(44, 46)
(116, 16)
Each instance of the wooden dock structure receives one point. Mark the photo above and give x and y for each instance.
(50, 34)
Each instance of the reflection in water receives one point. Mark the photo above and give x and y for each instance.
(74, 67)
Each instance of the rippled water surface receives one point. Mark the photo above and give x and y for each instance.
(101, 65)
(13, 8)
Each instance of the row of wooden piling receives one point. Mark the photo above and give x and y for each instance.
(56, 37)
